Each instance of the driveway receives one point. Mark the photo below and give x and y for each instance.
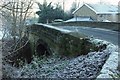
(104, 34)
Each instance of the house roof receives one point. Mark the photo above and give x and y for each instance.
(100, 8)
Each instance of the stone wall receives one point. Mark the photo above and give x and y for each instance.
(111, 66)
(105, 25)
(58, 41)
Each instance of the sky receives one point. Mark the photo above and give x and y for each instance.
(68, 3)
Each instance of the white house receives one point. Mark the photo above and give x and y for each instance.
(98, 12)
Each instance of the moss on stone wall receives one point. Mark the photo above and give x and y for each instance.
(65, 44)
(74, 46)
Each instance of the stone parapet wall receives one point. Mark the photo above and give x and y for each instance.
(105, 25)
(58, 40)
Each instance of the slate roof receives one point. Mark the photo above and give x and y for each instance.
(101, 8)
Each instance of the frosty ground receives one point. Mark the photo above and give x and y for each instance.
(84, 66)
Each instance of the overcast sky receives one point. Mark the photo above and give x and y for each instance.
(68, 3)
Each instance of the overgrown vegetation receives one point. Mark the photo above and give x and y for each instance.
(14, 15)
(21, 55)
(15, 45)
(56, 67)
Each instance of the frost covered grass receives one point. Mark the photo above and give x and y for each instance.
(84, 66)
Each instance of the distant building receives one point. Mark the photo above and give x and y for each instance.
(98, 12)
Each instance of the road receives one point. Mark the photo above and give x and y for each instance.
(104, 34)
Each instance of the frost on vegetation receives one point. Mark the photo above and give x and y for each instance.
(42, 67)
(55, 67)
(112, 59)
(98, 41)
(110, 47)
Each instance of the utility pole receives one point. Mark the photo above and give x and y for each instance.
(45, 2)
(100, 1)
(79, 3)
(63, 5)
(63, 8)
(75, 4)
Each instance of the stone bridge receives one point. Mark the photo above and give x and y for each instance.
(47, 40)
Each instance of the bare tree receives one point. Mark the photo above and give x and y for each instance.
(14, 15)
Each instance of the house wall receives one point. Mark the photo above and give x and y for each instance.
(119, 11)
(85, 11)
(110, 17)
(118, 15)
(101, 17)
